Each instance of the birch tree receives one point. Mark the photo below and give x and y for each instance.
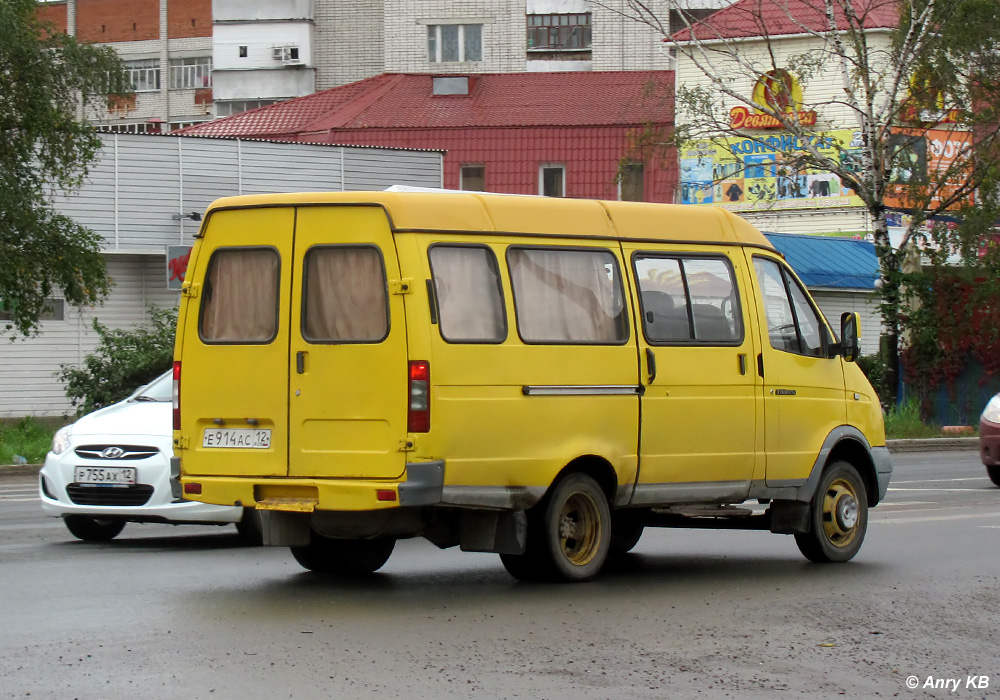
(915, 80)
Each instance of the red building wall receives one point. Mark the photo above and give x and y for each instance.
(136, 20)
(512, 156)
(55, 14)
(189, 18)
(117, 20)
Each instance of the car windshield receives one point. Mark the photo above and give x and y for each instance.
(160, 389)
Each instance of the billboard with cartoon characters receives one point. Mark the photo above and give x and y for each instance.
(757, 172)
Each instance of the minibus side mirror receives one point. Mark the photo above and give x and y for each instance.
(850, 339)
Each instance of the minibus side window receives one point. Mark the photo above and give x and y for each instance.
(345, 297)
(567, 296)
(686, 299)
(792, 323)
(468, 294)
(240, 298)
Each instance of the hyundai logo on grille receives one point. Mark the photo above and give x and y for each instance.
(112, 453)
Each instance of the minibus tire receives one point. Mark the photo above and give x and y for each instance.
(251, 527)
(91, 529)
(326, 555)
(575, 502)
(838, 516)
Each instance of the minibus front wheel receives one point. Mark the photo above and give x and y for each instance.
(838, 516)
(569, 534)
(326, 555)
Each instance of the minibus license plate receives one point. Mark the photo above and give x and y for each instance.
(252, 438)
(104, 475)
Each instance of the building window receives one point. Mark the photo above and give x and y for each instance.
(186, 73)
(473, 177)
(129, 128)
(631, 187)
(224, 109)
(55, 311)
(552, 180)
(454, 42)
(144, 75)
(562, 32)
(243, 52)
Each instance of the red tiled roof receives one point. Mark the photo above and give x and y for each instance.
(400, 101)
(760, 18)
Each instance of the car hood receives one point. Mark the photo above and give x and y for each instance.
(128, 418)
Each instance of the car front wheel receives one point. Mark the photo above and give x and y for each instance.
(91, 529)
(994, 474)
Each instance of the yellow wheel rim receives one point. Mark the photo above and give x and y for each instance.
(580, 528)
(841, 513)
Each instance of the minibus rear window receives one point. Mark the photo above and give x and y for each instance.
(240, 299)
(568, 296)
(345, 297)
(468, 294)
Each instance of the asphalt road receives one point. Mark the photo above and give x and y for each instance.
(187, 612)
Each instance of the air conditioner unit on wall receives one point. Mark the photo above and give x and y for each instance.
(286, 54)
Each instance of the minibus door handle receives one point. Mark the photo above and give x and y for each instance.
(651, 364)
(743, 363)
(300, 362)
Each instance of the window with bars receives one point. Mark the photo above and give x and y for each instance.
(559, 32)
(187, 73)
(144, 74)
(454, 42)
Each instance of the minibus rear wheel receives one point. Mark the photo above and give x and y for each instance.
(838, 516)
(326, 555)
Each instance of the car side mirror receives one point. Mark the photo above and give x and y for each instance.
(850, 336)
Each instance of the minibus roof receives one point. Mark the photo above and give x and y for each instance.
(468, 212)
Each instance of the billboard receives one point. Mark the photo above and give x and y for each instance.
(758, 172)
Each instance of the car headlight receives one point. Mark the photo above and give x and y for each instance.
(992, 410)
(60, 441)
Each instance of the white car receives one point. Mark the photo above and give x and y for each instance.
(112, 467)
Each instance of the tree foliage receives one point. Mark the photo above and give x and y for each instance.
(47, 80)
(123, 360)
(902, 70)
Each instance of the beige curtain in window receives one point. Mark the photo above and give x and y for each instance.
(468, 294)
(345, 297)
(566, 296)
(241, 296)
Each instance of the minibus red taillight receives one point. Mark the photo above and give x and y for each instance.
(177, 395)
(418, 415)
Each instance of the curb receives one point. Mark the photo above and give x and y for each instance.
(933, 445)
(895, 446)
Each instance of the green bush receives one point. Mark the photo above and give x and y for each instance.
(28, 438)
(904, 421)
(124, 360)
(875, 369)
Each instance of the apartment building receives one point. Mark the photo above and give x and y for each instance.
(166, 46)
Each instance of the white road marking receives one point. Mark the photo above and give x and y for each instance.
(35, 499)
(938, 481)
(906, 503)
(937, 490)
(932, 518)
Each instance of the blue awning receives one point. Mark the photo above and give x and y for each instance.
(829, 261)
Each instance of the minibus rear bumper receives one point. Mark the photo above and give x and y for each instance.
(422, 484)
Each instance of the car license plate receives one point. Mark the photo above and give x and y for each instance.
(104, 475)
(252, 438)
